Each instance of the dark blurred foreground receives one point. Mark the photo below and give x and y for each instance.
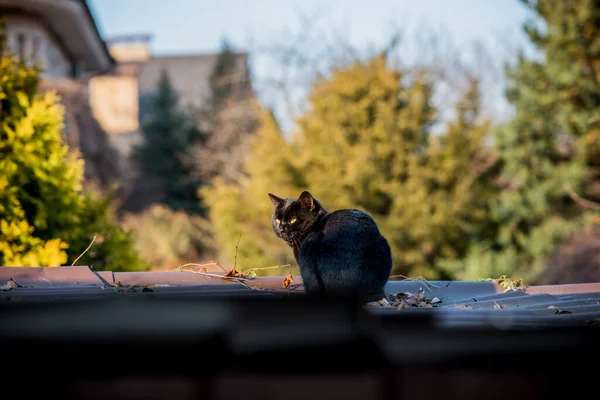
(73, 333)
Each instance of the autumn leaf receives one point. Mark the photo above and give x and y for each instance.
(288, 279)
(232, 272)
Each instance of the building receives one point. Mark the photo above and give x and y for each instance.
(106, 85)
(62, 36)
(120, 100)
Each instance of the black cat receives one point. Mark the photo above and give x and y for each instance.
(339, 253)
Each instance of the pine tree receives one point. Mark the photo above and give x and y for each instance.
(551, 145)
(461, 174)
(359, 145)
(232, 117)
(45, 217)
(366, 143)
(166, 152)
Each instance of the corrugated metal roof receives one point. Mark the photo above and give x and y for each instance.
(164, 335)
(457, 304)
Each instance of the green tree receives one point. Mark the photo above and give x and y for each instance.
(427, 192)
(169, 134)
(245, 208)
(366, 143)
(551, 145)
(45, 217)
(461, 178)
(222, 82)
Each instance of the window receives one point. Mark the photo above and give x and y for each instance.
(21, 46)
(35, 48)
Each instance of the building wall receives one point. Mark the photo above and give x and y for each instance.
(114, 100)
(28, 38)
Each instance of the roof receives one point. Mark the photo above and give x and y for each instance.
(450, 304)
(166, 335)
(103, 43)
(73, 23)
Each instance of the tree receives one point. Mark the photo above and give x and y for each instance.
(427, 192)
(552, 144)
(244, 207)
(231, 114)
(366, 143)
(169, 134)
(45, 217)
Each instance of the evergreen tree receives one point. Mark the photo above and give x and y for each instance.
(222, 81)
(231, 116)
(551, 145)
(45, 217)
(366, 143)
(169, 135)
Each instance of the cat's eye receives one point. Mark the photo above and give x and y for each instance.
(277, 220)
(292, 220)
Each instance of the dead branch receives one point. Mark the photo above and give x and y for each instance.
(273, 267)
(85, 251)
(180, 268)
(236, 250)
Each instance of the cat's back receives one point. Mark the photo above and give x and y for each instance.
(349, 221)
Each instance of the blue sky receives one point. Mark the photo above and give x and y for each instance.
(197, 26)
(183, 26)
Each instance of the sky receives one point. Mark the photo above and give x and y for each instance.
(198, 26)
(187, 26)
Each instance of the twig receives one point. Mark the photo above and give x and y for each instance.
(401, 276)
(240, 280)
(419, 279)
(200, 265)
(236, 250)
(579, 200)
(84, 251)
(274, 267)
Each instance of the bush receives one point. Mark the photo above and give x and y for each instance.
(168, 238)
(46, 218)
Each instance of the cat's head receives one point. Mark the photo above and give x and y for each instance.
(293, 217)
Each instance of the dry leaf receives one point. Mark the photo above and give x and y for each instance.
(231, 273)
(408, 299)
(10, 284)
(383, 302)
(288, 279)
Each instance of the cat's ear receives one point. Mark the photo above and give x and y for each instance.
(275, 200)
(307, 201)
